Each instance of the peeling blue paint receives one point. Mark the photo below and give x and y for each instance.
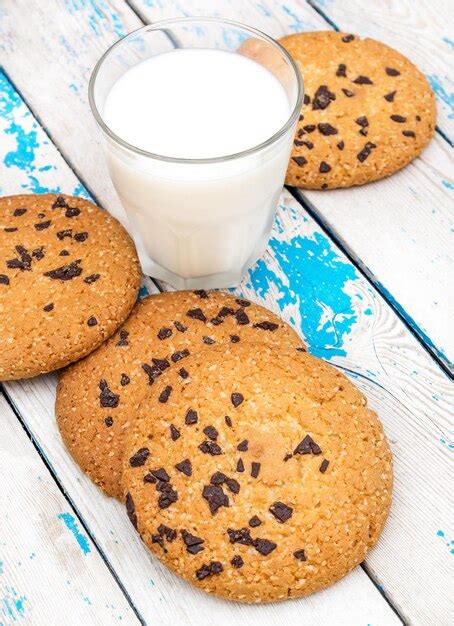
(12, 605)
(450, 42)
(449, 544)
(448, 184)
(73, 526)
(442, 94)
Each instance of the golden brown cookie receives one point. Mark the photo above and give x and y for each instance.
(69, 276)
(97, 397)
(261, 476)
(368, 111)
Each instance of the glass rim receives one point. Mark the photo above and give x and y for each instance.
(158, 25)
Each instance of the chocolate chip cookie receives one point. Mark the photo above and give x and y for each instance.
(261, 475)
(97, 397)
(368, 111)
(69, 276)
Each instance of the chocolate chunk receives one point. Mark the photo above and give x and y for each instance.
(408, 133)
(183, 373)
(242, 536)
(254, 521)
(208, 340)
(130, 510)
(391, 71)
(178, 355)
(4, 280)
(324, 466)
(164, 333)
(107, 398)
(282, 512)
(241, 317)
(124, 334)
(65, 272)
(228, 421)
(92, 279)
(92, 321)
(201, 293)
(306, 99)
(324, 167)
(215, 497)
(418, 118)
(243, 445)
(196, 314)
(211, 432)
(309, 145)
(233, 485)
(169, 533)
(192, 417)
(218, 478)
(287, 457)
(108, 421)
(72, 211)
(124, 380)
(48, 307)
(38, 253)
(242, 302)
(80, 237)
(363, 80)
(237, 561)
(300, 555)
(215, 567)
(341, 70)
(299, 160)
(340, 145)
(236, 398)
(322, 98)
(193, 544)
(167, 496)
(22, 263)
(362, 121)
(151, 372)
(174, 432)
(18, 212)
(185, 467)
(234, 338)
(348, 38)
(59, 203)
(160, 473)
(348, 93)
(165, 394)
(161, 364)
(159, 540)
(67, 232)
(309, 128)
(181, 328)
(255, 469)
(365, 152)
(264, 546)
(326, 129)
(42, 225)
(307, 446)
(12, 229)
(139, 458)
(240, 466)
(210, 447)
(400, 119)
(390, 96)
(149, 478)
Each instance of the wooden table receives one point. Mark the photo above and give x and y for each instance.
(366, 275)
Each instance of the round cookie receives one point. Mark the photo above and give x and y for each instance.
(368, 111)
(69, 276)
(262, 476)
(97, 397)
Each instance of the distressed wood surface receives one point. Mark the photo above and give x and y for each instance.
(400, 230)
(49, 568)
(305, 278)
(159, 596)
(423, 31)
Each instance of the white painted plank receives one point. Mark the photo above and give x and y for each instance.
(50, 572)
(161, 597)
(401, 228)
(423, 31)
(325, 297)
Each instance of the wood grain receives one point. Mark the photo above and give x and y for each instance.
(50, 571)
(422, 31)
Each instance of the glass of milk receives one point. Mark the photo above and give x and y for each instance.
(198, 117)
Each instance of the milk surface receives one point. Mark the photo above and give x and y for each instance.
(198, 225)
(196, 103)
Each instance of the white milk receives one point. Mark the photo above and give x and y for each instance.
(201, 224)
